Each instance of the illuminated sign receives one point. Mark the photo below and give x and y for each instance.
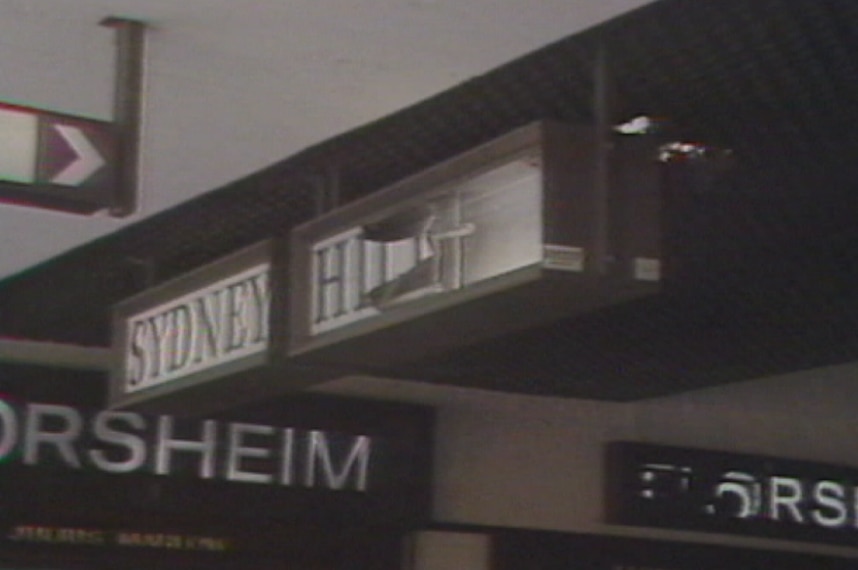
(123, 442)
(298, 460)
(222, 322)
(500, 238)
(206, 340)
(56, 161)
(484, 227)
(732, 493)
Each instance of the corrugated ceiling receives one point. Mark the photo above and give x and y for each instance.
(770, 277)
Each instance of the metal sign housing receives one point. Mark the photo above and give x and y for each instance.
(503, 237)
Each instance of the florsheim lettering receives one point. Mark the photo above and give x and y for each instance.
(122, 442)
(743, 494)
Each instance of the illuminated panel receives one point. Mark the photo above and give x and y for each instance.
(222, 322)
(450, 240)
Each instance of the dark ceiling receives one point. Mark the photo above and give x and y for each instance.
(770, 278)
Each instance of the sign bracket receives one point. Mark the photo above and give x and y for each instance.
(128, 110)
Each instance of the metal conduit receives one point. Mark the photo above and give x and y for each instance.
(55, 354)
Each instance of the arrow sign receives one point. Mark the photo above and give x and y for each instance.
(85, 164)
(56, 161)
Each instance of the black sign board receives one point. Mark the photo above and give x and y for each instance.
(265, 545)
(506, 236)
(72, 475)
(56, 161)
(734, 493)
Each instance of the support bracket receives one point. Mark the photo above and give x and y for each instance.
(128, 110)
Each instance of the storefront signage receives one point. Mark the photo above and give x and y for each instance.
(419, 250)
(127, 442)
(214, 325)
(207, 340)
(506, 232)
(295, 460)
(732, 493)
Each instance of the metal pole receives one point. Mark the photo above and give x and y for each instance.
(128, 110)
(332, 175)
(55, 355)
(602, 111)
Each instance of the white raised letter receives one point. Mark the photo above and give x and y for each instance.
(262, 302)
(63, 439)
(330, 281)
(9, 429)
(134, 444)
(785, 492)
(831, 498)
(286, 470)
(237, 451)
(166, 445)
(181, 337)
(745, 488)
(208, 327)
(318, 451)
(137, 367)
(236, 316)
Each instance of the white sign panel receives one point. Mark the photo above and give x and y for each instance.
(480, 228)
(225, 321)
(512, 234)
(18, 146)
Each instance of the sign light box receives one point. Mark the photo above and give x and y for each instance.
(502, 237)
(56, 161)
(733, 493)
(205, 340)
(293, 460)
